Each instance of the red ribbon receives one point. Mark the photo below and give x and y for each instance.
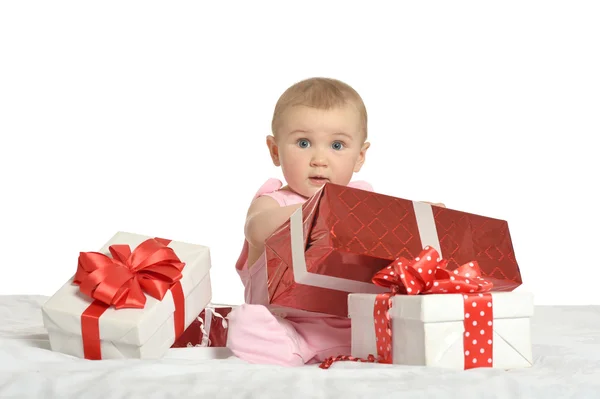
(427, 274)
(330, 360)
(123, 281)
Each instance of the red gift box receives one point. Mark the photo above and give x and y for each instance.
(209, 329)
(342, 236)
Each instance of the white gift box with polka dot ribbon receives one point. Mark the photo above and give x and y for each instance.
(429, 330)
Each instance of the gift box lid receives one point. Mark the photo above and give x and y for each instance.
(131, 326)
(382, 228)
(343, 236)
(442, 307)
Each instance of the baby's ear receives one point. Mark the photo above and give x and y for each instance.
(273, 150)
(361, 157)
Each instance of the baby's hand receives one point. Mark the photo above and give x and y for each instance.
(435, 204)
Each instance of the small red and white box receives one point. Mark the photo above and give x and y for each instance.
(210, 329)
(436, 317)
(131, 299)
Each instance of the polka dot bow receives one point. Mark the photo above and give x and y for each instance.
(427, 274)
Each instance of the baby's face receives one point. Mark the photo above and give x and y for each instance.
(315, 146)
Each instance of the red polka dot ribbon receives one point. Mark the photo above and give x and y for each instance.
(427, 274)
(330, 360)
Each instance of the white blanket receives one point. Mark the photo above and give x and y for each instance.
(566, 353)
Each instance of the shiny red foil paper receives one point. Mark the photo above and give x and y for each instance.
(353, 233)
(216, 334)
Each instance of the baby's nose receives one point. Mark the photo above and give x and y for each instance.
(318, 159)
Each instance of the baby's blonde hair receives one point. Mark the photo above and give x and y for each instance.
(320, 93)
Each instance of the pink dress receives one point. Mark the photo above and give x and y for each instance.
(260, 333)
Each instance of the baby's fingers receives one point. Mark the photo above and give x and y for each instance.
(441, 205)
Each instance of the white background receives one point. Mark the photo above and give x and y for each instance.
(151, 117)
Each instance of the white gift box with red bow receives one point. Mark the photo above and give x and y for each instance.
(143, 333)
(429, 330)
(436, 317)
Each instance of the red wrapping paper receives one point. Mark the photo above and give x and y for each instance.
(203, 333)
(351, 234)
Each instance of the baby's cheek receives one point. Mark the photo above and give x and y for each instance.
(344, 173)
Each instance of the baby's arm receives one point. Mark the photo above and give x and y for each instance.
(264, 217)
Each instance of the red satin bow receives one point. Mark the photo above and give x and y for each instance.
(427, 274)
(122, 280)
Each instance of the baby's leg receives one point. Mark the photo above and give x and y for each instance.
(257, 336)
(323, 337)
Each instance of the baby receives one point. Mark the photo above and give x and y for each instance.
(319, 131)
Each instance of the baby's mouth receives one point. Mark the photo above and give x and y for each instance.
(318, 180)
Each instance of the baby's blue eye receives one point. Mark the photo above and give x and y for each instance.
(337, 145)
(303, 143)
